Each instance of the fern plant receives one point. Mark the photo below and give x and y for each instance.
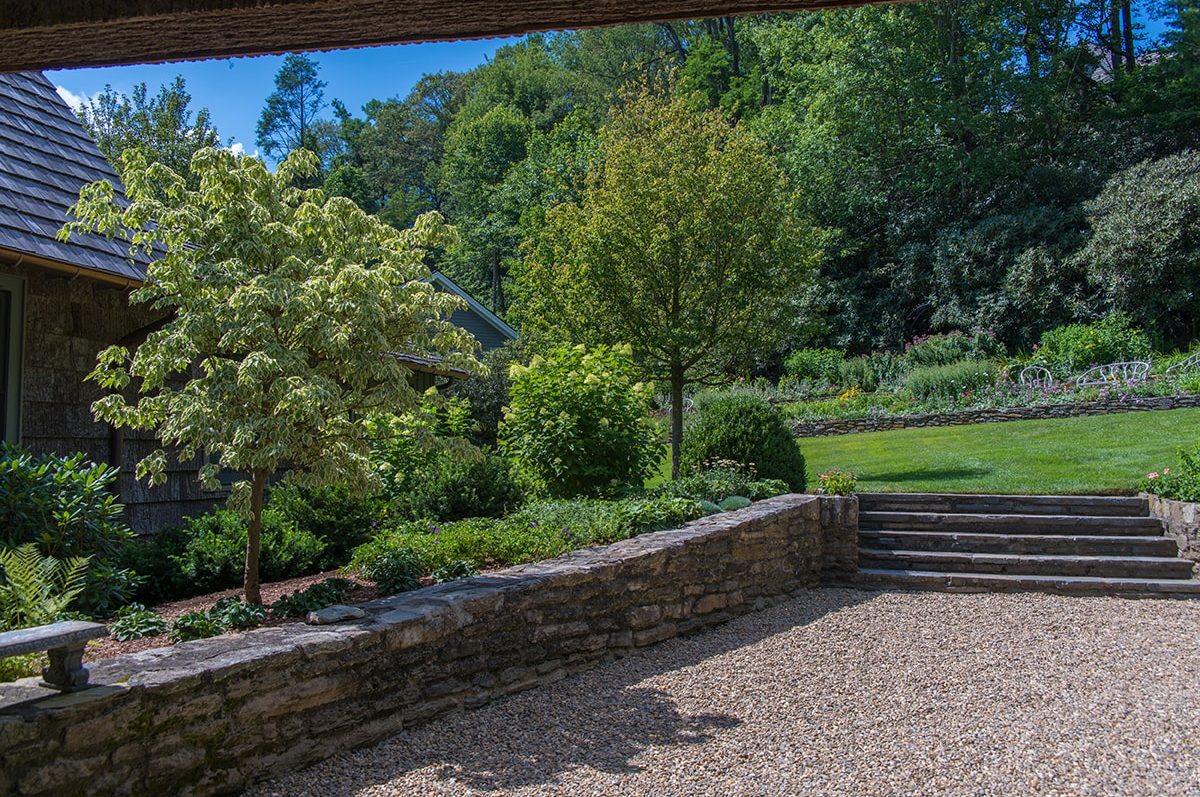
(37, 589)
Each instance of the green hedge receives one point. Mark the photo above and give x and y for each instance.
(745, 429)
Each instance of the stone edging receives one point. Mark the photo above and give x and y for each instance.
(839, 426)
(214, 715)
(1182, 519)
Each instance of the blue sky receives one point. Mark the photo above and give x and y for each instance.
(234, 89)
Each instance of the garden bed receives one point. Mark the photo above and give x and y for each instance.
(839, 426)
(109, 647)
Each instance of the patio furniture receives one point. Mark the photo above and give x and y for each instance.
(1114, 373)
(1036, 376)
(64, 643)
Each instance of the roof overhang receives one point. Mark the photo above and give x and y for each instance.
(48, 34)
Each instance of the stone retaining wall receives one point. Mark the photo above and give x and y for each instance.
(211, 716)
(837, 426)
(1183, 523)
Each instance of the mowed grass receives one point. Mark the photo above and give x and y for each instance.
(1105, 454)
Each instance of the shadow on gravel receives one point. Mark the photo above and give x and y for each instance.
(602, 718)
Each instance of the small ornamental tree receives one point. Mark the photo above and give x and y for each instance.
(281, 313)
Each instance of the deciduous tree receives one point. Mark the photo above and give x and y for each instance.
(163, 125)
(685, 245)
(284, 310)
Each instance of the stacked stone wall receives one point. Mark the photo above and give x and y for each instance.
(838, 426)
(211, 716)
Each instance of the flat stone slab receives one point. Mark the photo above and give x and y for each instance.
(45, 637)
(337, 613)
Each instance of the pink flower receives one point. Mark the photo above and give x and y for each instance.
(1166, 471)
(1151, 475)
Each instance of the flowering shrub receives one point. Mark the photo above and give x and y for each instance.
(577, 422)
(925, 351)
(837, 482)
(1181, 483)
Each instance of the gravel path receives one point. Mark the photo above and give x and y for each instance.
(843, 693)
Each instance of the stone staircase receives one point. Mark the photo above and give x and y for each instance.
(1064, 544)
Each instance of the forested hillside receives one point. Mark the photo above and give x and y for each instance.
(1007, 165)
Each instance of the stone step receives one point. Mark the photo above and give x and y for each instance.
(1094, 545)
(959, 503)
(1000, 582)
(1010, 524)
(1152, 567)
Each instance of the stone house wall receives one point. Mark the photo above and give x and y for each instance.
(211, 716)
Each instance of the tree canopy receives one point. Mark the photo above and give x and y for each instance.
(163, 125)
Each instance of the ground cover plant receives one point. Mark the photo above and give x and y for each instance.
(1104, 454)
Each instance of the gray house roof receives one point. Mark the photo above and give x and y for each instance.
(488, 328)
(45, 158)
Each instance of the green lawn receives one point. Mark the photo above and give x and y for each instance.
(1100, 454)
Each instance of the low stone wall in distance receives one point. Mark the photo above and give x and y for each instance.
(836, 426)
(211, 716)
(1183, 523)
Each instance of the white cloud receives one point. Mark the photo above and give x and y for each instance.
(71, 98)
(238, 148)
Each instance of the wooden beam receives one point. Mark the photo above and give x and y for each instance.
(48, 34)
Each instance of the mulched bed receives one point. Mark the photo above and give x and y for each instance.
(108, 647)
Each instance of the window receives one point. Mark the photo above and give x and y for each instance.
(12, 299)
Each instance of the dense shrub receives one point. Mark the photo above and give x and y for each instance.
(951, 381)
(342, 519)
(215, 554)
(1143, 251)
(480, 484)
(155, 558)
(67, 508)
(748, 430)
(1069, 350)
(487, 394)
(577, 422)
(815, 364)
(930, 350)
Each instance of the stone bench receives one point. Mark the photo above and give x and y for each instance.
(64, 643)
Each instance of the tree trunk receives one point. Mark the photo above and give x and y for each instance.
(497, 292)
(676, 417)
(1127, 23)
(1114, 35)
(254, 537)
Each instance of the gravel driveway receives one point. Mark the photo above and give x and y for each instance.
(838, 692)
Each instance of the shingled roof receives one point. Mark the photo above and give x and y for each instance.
(45, 157)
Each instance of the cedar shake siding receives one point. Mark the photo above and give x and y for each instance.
(67, 321)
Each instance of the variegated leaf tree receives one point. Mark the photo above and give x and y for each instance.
(282, 314)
